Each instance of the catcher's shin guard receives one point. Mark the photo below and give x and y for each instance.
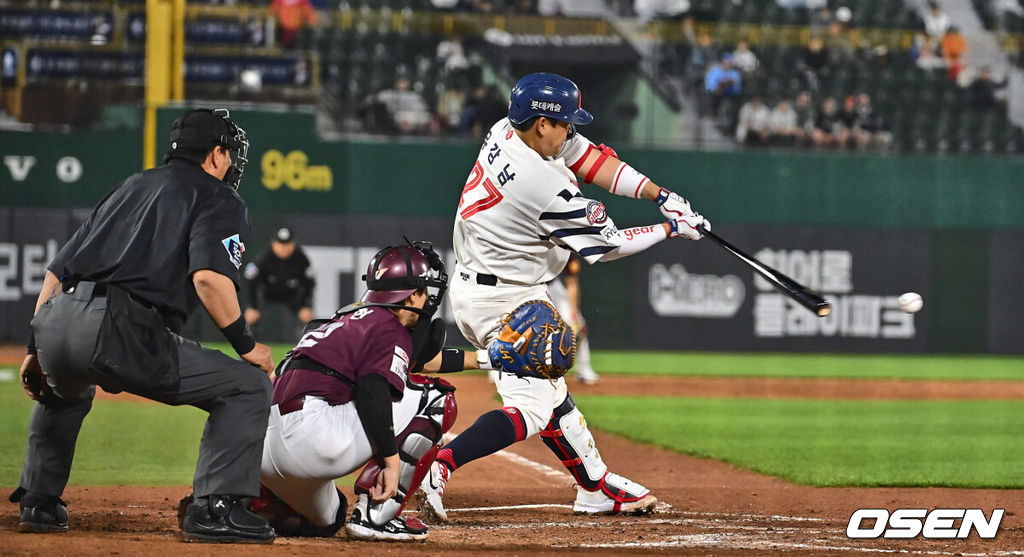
(600, 491)
(417, 446)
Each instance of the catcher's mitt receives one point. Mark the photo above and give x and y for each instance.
(534, 342)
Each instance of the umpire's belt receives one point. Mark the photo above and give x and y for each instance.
(85, 289)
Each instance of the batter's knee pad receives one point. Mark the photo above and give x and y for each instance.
(569, 438)
(417, 446)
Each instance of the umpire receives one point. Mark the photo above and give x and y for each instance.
(112, 305)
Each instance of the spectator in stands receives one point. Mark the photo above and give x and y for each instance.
(291, 16)
(954, 47)
(924, 54)
(451, 53)
(984, 89)
(744, 59)
(850, 119)
(722, 81)
(486, 106)
(406, 108)
(811, 4)
(754, 126)
(813, 63)
(828, 130)
(702, 57)
(450, 106)
(784, 124)
(871, 123)
(936, 22)
(840, 47)
(804, 114)
(821, 19)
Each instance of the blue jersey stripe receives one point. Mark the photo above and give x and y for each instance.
(567, 215)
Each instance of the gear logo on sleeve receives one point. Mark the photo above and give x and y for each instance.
(596, 213)
(235, 249)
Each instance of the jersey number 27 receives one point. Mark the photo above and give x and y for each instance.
(481, 199)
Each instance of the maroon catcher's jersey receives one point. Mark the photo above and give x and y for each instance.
(368, 340)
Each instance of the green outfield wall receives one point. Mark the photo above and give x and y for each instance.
(290, 170)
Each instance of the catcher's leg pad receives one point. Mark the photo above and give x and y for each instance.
(568, 436)
(417, 446)
(287, 522)
(534, 341)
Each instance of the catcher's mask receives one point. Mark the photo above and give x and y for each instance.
(394, 273)
(203, 129)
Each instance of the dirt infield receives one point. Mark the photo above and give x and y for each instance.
(516, 502)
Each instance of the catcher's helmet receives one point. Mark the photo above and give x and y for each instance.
(395, 272)
(203, 129)
(549, 95)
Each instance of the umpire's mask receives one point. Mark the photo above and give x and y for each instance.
(394, 273)
(197, 131)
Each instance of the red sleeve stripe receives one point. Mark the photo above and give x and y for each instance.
(597, 166)
(576, 165)
(639, 187)
(618, 173)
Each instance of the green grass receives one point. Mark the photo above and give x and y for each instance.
(832, 443)
(992, 368)
(121, 442)
(948, 443)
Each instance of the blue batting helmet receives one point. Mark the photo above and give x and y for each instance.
(549, 95)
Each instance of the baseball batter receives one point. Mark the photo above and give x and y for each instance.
(520, 216)
(342, 395)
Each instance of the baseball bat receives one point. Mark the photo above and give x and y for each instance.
(798, 292)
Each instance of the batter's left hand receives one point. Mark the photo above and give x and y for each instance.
(672, 205)
(32, 379)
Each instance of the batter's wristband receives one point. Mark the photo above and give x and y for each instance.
(31, 347)
(239, 335)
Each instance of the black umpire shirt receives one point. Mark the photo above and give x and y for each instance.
(153, 231)
(272, 279)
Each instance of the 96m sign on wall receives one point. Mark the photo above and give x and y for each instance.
(695, 296)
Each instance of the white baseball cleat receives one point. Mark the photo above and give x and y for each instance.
(587, 375)
(617, 495)
(431, 491)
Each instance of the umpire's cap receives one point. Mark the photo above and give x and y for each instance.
(203, 129)
(549, 95)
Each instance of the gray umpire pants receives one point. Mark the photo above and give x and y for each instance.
(235, 394)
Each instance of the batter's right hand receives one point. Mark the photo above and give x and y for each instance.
(687, 226)
(260, 357)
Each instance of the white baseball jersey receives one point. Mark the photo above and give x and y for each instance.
(517, 205)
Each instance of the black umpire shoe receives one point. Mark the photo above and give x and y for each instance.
(41, 513)
(224, 518)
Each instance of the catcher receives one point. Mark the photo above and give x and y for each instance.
(343, 393)
(520, 215)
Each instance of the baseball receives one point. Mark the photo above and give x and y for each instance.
(911, 302)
